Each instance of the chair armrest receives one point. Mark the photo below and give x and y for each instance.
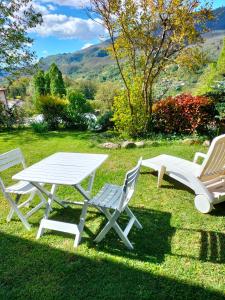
(197, 155)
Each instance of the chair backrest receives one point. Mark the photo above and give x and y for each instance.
(214, 163)
(8, 160)
(129, 185)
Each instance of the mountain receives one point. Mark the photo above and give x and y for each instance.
(91, 62)
(95, 63)
(219, 22)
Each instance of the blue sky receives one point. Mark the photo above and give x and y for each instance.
(67, 27)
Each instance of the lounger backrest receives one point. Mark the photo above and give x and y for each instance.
(214, 163)
(129, 185)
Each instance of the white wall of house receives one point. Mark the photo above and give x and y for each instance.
(3, 97)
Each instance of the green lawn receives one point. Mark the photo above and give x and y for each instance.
(179, 254)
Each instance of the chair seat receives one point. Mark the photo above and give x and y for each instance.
(21, 188)
(108, 197)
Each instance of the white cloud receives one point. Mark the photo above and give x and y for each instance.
(71, 3)
(87, 45)
(67, 27)
(45, 52)
(40, 8)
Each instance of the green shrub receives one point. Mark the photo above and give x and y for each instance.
(39, 127)
(130, 116)
(52, 108)
(217, 94)
(184, 114)
(105, 121)
(74, 111)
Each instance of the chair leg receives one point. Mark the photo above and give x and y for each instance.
(31, 197)
(11, 212)
(112, 223)
(17, 211)
(131, 215)
(108, 226)
(161, 173)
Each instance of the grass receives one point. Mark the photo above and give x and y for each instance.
(180, 253)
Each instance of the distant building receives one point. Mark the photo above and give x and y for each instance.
(3, 98)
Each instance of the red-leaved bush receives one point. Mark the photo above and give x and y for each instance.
(183, 114)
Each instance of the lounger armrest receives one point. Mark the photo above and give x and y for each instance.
(198, 155)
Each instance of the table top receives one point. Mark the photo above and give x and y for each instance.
(64, 168)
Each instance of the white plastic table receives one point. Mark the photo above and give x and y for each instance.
(63, 168)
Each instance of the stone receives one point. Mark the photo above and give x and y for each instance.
(128, 145)
(140, 144)
(188, 142)
(110, 145)
(206, 143)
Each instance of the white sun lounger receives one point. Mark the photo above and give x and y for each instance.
(206, 179)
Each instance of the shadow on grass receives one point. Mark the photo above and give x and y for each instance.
(173, 183)
(151, 244)
(30, 270)
(212, 246)
(31, 136)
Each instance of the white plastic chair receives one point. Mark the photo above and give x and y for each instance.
(207, 180)
(116, 198)
(8, 160)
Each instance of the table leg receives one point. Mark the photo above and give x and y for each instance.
(90, 184)
(50, 200)
(48, 194)
(75, 229)
(86, 196)
(88, 191)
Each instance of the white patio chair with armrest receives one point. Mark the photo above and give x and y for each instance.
(207, 180)
(116, 198)
(8, 160)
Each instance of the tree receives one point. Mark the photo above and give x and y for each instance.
(47, 84)
(16, 18)
(57, 87)
(18, 88)
(105, 95)
(193, 59)
(88, 88)
(75, 110)
(39, 83)
(146, 36)
(221, 61)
